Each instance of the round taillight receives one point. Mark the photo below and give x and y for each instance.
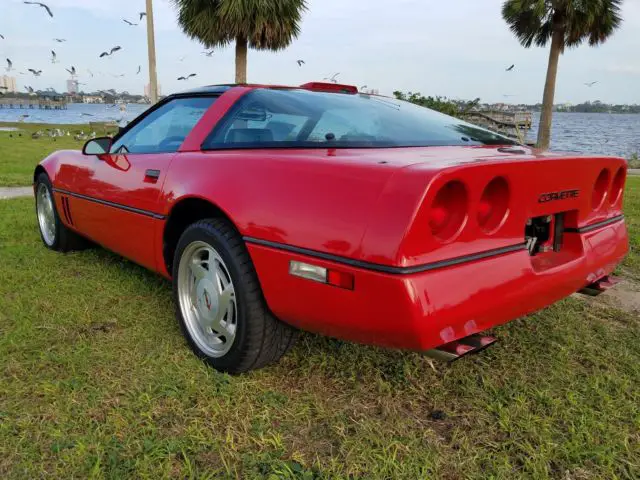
(448, 211)
(617, 186)
(600, 189)
(493, 208)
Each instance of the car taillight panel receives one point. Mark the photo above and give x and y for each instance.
(449, 211)
(600, 189)
(493, 208)
(617, 187)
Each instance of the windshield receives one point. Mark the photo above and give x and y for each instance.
(266, 118)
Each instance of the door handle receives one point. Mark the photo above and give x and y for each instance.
(152, 174)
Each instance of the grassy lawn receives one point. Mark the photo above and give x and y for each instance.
(97, 382)
(19, 153)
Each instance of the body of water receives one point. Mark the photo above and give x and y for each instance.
(598, 133)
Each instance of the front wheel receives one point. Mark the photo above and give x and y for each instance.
(219, 303)
(55, 235)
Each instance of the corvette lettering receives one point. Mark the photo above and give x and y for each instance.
(563, 195)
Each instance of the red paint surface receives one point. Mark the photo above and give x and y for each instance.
(371, 205)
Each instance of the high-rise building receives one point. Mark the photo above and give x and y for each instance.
(147, 90)
(72, 86)
(9, 84)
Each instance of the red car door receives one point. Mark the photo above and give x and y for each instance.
(117, 194)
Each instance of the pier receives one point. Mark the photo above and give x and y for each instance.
(58, 103)
(513, 124)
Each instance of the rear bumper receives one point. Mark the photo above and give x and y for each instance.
(424, 310)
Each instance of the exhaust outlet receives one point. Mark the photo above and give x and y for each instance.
(600, 286)
(454, 350)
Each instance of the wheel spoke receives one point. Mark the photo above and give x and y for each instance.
(198, 271)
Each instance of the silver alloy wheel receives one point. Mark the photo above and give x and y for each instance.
(46, 214)
(207, 299)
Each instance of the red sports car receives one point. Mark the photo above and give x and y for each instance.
(362, 217)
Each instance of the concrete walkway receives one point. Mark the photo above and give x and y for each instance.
(634, 171)
(15, 192)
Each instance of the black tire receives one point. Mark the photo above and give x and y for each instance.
(260, 339)
(64, 239)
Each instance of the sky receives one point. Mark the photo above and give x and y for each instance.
(459, 49)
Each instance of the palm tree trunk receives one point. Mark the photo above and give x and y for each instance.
(241, 60)
(544, 130)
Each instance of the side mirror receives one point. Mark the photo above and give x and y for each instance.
(97, 146)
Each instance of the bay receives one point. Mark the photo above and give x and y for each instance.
(593, 133)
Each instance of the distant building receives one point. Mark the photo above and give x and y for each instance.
(147, 90)
(9, 83)
(72, 86)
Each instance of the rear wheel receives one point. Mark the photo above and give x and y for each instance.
(219, 303)
(55, 235)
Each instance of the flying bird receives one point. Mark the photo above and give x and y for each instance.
(363, 87)
(9, 65)
(35, 72)
(208, 54)
(181, 59)
(71, 71)
(90, 72)
(139, 68)
(129, 23)
(590, 84)
(60, 40)
(110, 52)
(332, 78)
(1, 36)
(300, 62)
(142, 15)
(187, 77)
(41, 5)
(54, 57)
(29, 89)
(510, 68)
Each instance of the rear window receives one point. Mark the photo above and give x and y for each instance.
(266, 118)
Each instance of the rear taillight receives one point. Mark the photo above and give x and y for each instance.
(617, 186)
(600, 189)
(449, 211)
(493, 208)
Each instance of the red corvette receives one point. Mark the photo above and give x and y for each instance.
(356, 216)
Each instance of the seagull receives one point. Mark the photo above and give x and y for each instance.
(591, 84)
(181, 59)
(35, 72)
(139, 68)
(142, 15)
(1, 36)
(332, 78)
(60, 40)
(129, 23)
(300, 62)
(28, 89)
(510, 68)
(72, 71)
(9, 65)
(54, 57)
(208, 54)
(41, 5)
(187, 77)
(110, 52)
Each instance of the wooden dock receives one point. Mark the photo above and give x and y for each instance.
(513, 124)
(33, 103)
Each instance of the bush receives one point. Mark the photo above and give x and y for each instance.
(634, 161)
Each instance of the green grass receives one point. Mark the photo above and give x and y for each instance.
(19, 153)
(97, 382)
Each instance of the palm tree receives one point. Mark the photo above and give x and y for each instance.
(259, 24)
(567, 23)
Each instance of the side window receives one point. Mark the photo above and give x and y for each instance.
(164, 129)
(256, 123)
